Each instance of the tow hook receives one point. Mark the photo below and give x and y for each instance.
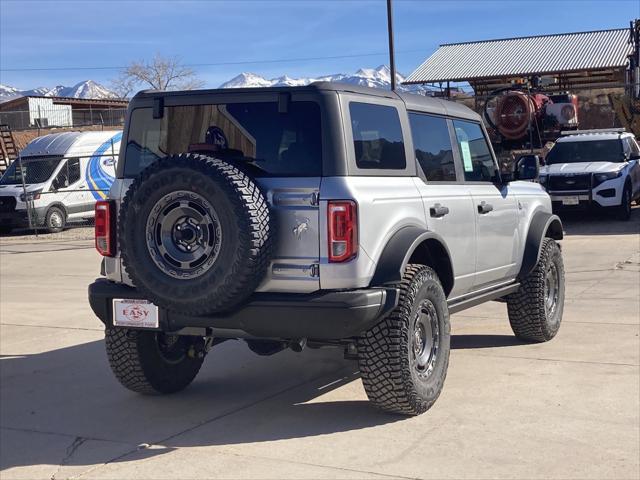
(298, 344)
(351, 351)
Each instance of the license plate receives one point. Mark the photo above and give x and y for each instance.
(570, 201)
(134, 313)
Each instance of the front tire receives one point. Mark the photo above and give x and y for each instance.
(404, 359)
(153, 363)
(624, 210)
(55, 220)
(535, 310)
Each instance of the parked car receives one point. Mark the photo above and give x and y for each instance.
(58, 179)
(327, 215)
(594, 168)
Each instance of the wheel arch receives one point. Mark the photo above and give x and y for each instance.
(413, 244)
(543, 224)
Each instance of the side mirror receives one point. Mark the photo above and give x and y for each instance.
(527, 167)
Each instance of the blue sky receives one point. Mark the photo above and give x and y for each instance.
(83, 33)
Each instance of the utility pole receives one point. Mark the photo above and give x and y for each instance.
(392, 61)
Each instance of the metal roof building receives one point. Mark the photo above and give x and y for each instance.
(597, 58)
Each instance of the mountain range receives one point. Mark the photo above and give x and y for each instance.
(85, 89)
(370, 77)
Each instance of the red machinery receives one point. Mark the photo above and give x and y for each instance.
(520, 115)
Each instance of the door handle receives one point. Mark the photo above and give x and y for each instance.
(484, 207)
(438, 211)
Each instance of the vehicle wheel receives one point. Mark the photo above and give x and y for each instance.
(5, 230)
(55, 220)
(624, 210)
(152, 362)
(195, 234)
(404, 359)
(535, 310)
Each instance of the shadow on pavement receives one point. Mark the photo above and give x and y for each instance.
(599, 223)
(470, 341)
(237, 398)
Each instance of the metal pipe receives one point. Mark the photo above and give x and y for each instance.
(392, 61)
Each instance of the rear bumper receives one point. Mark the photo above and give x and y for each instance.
(331, 315)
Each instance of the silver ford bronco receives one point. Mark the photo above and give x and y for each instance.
(311, 216)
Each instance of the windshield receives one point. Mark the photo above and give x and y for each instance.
(589, 151)
(259, 134)
(36, 170)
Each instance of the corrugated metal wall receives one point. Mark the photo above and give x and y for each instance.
(55, 115)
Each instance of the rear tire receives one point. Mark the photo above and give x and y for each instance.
(55, 220)
(535, 310)
(404, 359)
(153, 363)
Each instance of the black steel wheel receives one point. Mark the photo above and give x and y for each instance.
(195, 234)
(183, 234)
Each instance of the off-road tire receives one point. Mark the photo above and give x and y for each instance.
(138, 364)
(528, 315)
(385, 353)
(50, 224)
(624, 210)
(247, 234)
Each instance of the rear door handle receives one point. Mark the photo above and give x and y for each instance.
(438, 211)
(484, 207)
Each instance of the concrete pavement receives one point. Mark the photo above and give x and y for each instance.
(569, 408)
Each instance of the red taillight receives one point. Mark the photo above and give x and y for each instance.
(105, 232)
(343, 230)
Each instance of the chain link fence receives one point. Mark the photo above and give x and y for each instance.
(55, 194)
(62, 116)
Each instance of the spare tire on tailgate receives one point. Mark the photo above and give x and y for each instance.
(195, 234)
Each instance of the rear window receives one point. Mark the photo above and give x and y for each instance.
(257, 134)
(377, 136)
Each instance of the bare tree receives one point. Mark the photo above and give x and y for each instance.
(161, 73)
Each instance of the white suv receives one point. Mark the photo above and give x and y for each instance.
(588, 168)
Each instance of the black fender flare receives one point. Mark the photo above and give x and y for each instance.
(399, 250)
(542, 225)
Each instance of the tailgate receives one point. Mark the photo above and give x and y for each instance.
(294, 204)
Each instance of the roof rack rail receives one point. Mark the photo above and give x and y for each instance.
(594, 130)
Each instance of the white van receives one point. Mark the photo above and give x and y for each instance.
(64, 175)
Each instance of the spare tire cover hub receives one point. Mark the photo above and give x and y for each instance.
(183, 234)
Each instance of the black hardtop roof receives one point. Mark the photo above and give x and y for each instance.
(412, 101)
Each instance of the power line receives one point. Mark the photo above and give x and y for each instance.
(217, 64)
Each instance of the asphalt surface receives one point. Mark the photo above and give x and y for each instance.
(569, 408)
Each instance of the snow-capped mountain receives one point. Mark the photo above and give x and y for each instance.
(370, 77)
(86, 89)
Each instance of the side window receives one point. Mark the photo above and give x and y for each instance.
(377, 136)
(477, 162)
(73, 165)
(635, 150)
(433, 147)
(62, 178)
